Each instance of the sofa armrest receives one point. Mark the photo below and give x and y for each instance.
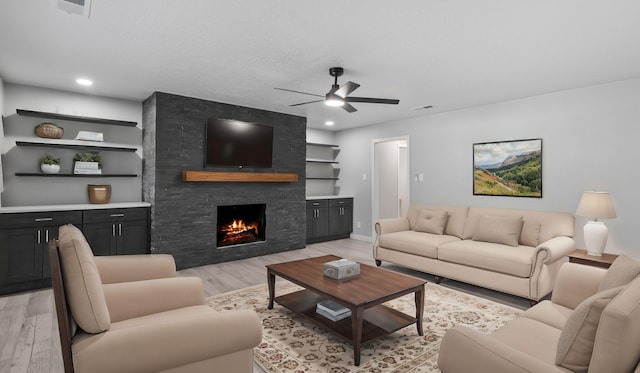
(126, 268)
(127, 300)
(392, 225)
(557, 247)
(482, 353)
(575, 283)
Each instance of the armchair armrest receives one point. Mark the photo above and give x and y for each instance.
(557, 247)
(127, 300)
(484, 354)
(126, 268)
(392, 225)
(575, 283)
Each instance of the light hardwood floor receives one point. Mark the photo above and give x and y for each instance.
(29, 339)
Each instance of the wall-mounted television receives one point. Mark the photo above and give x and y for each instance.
(233, 143)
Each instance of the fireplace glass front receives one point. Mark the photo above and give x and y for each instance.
(240, 224)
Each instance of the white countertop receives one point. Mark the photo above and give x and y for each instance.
(84, 206)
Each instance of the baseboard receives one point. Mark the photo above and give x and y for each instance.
(361, 238)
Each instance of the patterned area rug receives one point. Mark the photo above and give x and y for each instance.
(292, 344)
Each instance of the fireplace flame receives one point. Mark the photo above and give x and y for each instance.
(239, 231)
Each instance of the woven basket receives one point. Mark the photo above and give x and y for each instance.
(49, 131)
(99, 193)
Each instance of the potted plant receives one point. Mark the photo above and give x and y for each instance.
(87, 163)
(50, 164)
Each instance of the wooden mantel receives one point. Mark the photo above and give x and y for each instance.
(243, 177)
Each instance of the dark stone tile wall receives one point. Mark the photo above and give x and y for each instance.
(183, 214)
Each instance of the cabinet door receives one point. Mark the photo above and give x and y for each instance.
(101, 237)
(21, 255)
(340, 217)
(132, 237)
(50, 233)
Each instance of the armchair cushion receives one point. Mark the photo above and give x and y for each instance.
(126, 268)
(575, 345)
(621, 272)
(83, 285)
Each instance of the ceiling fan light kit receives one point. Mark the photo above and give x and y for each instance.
(338, 96)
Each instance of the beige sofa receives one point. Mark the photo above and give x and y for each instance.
(132, 314)
(591, 324)
(512, 251)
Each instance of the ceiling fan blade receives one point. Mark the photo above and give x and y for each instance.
(308, 102)
(371, 100)
(347, 88)
(304, 93)
(348, 107)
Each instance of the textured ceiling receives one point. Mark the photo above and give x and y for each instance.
(449, 54)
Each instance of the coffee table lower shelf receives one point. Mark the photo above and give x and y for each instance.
(378, 321)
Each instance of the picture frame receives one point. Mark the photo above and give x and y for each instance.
(508, 168)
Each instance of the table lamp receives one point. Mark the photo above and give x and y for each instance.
(596, 205)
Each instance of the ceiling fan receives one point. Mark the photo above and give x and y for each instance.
(339, 95)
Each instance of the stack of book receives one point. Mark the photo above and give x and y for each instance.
(87, 168)
(332, 310)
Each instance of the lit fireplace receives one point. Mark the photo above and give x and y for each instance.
(240, 224)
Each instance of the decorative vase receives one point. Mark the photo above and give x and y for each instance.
(99, 193)
(50, 168)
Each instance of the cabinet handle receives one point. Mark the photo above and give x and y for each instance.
(39, 238)
(116, 215)
(42, 219)
(46, 235)
(119, 229)
(113, 229)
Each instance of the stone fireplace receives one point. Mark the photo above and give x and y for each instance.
(240, 224)
(184, 214)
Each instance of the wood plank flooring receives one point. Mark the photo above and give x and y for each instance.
(29, 339)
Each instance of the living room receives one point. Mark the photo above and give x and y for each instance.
(581, 101)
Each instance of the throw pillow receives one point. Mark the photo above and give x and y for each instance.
(82, 282)
(498, 229)
(530, 234)
(575, 345)
(430, 221)
(621, 272)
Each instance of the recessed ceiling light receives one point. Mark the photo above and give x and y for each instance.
(329, 123)
(84, 82)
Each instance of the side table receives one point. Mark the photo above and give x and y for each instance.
(581, 257)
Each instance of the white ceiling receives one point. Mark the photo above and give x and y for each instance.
(449, 54)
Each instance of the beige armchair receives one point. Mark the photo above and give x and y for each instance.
(591, 324)
(132, 314)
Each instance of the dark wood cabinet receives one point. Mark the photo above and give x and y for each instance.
(317, 220)
(24, 263)
(329, 219)
(340, 217)
(117, 231)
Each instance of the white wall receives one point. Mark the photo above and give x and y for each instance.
(590, 141)
(27, 191)
(1, 134)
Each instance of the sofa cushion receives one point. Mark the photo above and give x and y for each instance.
(455, 222)
(575, 345)
(530, 235)
(516, 261)
(430, 221)
(621, 272)
(417, 243)
(82, 283)
(498, 229)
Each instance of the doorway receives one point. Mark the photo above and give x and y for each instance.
(390, 178)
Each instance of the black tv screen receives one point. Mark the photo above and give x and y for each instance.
(233, 143)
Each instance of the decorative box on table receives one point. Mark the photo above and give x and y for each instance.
(341, 269)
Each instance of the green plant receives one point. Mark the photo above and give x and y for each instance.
(49, 159)
(87, 157)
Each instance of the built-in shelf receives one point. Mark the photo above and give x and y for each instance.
(247, 177)
(323, 178)
(313, 160)
(72, 175)
(76, 118)
(323, 145)
(74, 144)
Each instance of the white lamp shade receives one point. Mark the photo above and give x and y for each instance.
(596, 205)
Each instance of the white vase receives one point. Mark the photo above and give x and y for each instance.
(50, 168)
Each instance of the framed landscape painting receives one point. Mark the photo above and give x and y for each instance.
(508, 168)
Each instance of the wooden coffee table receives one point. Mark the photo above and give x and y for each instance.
(363, 295)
